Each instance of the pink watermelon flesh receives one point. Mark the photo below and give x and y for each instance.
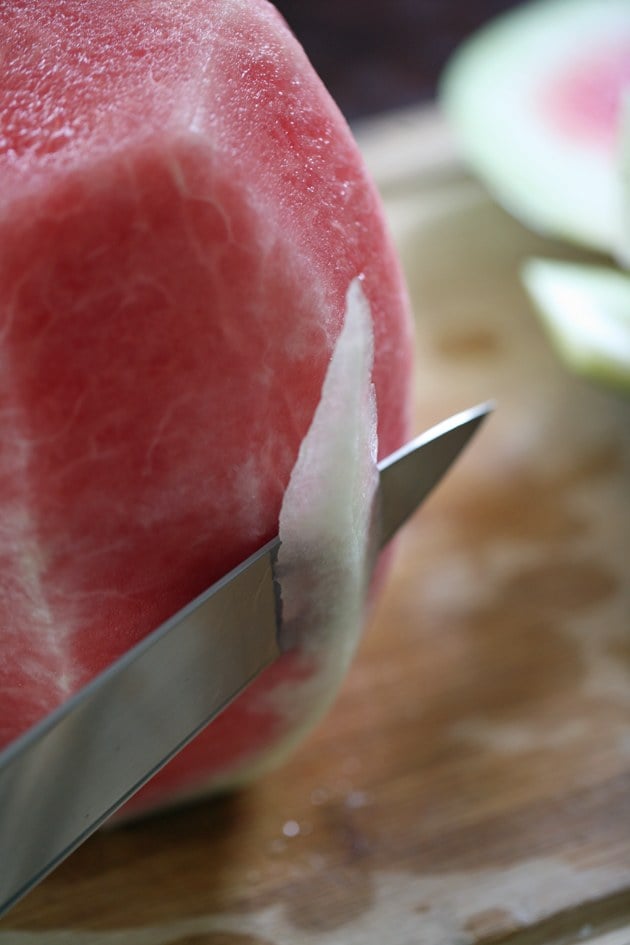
(182, 209)
(583, 100)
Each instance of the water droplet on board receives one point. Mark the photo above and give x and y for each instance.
(291, 828)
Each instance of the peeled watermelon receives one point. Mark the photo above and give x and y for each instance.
(182, 210)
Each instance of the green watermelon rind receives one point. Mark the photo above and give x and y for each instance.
(488, 93)
(585, 310)
(624, 250)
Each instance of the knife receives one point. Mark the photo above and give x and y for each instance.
(64, 777)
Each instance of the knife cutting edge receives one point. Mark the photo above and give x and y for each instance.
(65, 776)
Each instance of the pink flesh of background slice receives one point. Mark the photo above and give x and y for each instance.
(583, 101)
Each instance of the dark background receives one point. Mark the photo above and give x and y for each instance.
(378, 55)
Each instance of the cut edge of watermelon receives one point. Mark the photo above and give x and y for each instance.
(327, 547)
(326, 553)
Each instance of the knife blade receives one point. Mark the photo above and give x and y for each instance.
(63, 778)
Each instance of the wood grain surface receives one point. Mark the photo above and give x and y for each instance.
(472, 783)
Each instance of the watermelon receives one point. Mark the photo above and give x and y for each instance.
(539, 100)
(535, 99)
(586, 311)
(182, 212)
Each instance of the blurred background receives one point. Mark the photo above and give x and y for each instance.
(375, 55)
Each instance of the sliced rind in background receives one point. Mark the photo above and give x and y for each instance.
(586, 312)
(534, 99)
(624, 149)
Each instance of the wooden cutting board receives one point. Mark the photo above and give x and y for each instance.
(472, 783)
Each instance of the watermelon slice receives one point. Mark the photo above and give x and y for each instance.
(182, 210)
(624, 255)
(535, 99)
(586, 310)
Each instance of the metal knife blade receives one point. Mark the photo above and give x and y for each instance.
(69, 773)
(408, 475)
